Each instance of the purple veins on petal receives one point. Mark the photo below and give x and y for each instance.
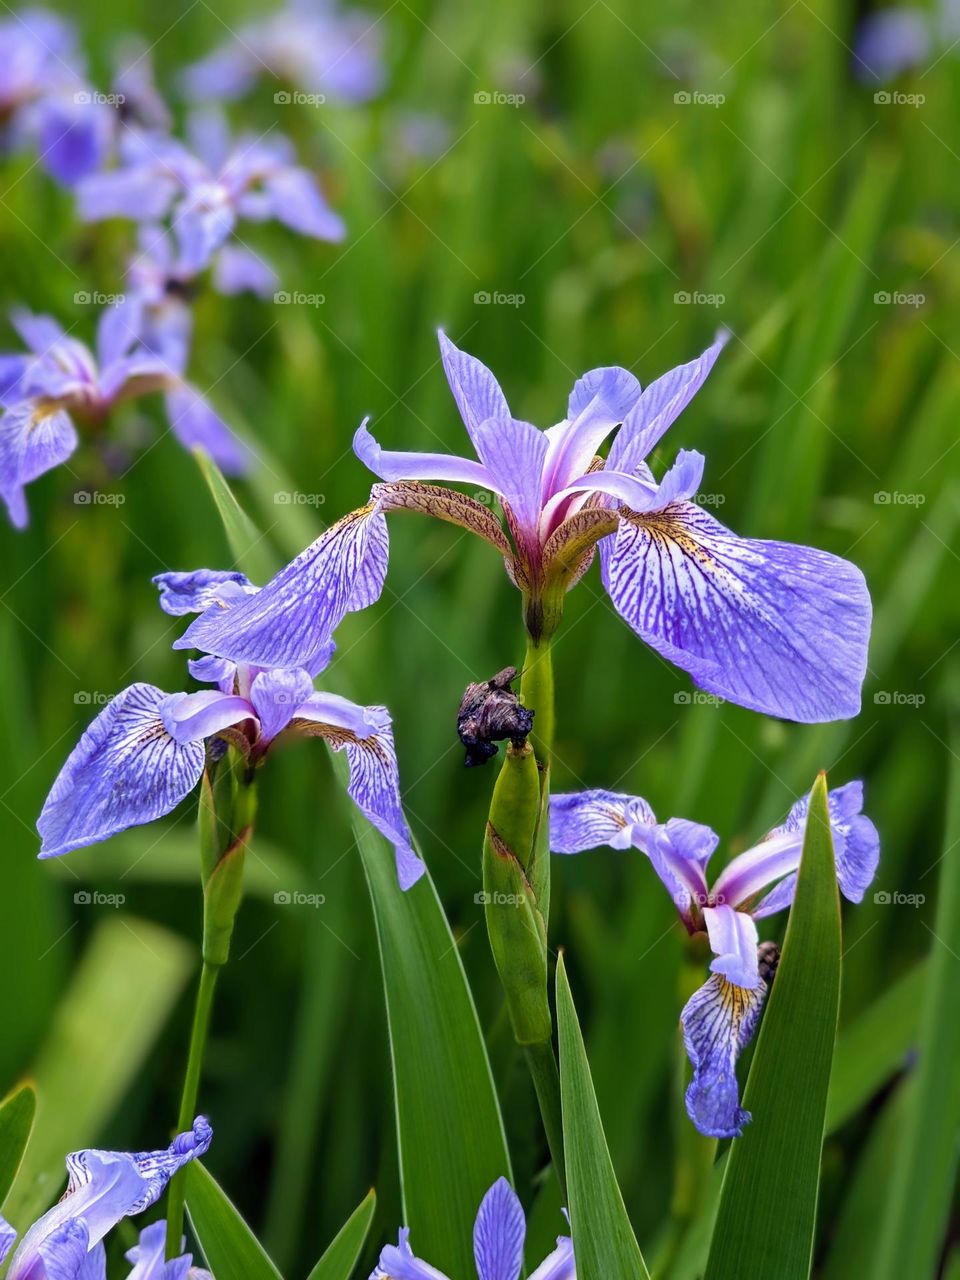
(126, 770)
(33, 440)
(658, 407)
(7, 1236)
(290, 621)
(499, 1233)
(475, 389)
(588, 819)
(183, 593)
(776, 627)
(103, 1187)
(718, 1022)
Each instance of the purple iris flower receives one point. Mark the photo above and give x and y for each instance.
(498, 1236)
(103, 1187)
(146, 750)
(719, 1019)
(208, 192)
(316, 47)
(773, 626)
(61, 384)
(44, 97)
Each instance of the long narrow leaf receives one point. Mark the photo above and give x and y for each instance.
(768, 1205)
(451, 1137)
(603, 1241)
(17, 1113)
(249, 547)
(343, 1252)
(231, 1249)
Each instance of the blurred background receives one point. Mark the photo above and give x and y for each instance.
(560, 186)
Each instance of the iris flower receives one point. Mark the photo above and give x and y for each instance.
(773, 626)
(719, 1019)
(103, 1187)
(498, 1237)
(206, 192)
(61, 384)
(149, 1259)
(315, 48)
(147, 749)
(44, 96)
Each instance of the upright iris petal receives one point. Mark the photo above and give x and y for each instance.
(498, 1235)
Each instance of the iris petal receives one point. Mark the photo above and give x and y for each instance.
(772, 626)
(718, 1022)
(498, 1234)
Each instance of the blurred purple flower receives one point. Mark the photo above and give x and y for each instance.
(146, 750)
(103, 1187)
(318, 48)
(44, 96)
(208, 192)
(498, 1237)
(61, 383)
(892, 41)
(720, 1018)
(772, 626)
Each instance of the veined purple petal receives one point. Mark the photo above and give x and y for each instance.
(513, 454)
(588, 819)
(475, 389)
(375, 788)
(125, 770)
(183, 593)
(560, 1264)
(600, 400)
(733, 941)
(277, 697)
(499, 1233)
(718, 1021)
(32, 440)
(64, 1251)
(856, 848)
(7, 1236)
(195, 422)
(397, 1262)
(105, 1186)
(148, 1256)
(193, 717)
(289, 622)
(297, 202)
(391, 465)
(659, 406)
(772, 626)
(638, 492)
(679, 851)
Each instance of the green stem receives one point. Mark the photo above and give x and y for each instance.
(546, 1081)
(188, 1099)
(536, 690)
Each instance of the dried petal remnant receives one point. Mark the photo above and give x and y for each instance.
(489, 713)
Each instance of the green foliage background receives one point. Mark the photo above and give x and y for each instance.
(598, 200)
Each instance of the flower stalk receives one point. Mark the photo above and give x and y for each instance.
(223, 845)
(516, 881)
